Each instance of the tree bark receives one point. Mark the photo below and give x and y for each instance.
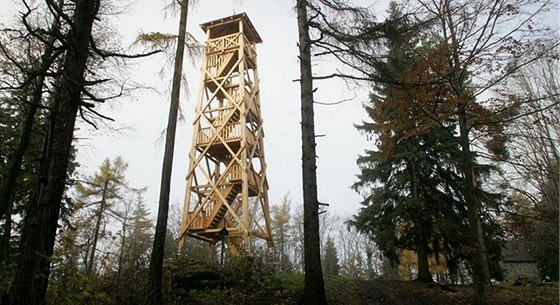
(480, 269)
(41, 219)
(424, 274)
(314, 292)
(154, 296)
(481, 274)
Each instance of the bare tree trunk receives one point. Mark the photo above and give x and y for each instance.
(481, 274)
(154, 296)
(480, 269)
(424, 274)
(314, 285)
(41, 219)
(102, 207)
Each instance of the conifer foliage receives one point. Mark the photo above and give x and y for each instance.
(409, 178)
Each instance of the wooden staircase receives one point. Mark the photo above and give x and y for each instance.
(227, 64)
(230, 192)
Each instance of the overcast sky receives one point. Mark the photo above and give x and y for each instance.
(143, 118)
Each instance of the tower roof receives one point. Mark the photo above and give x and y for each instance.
(229, 25)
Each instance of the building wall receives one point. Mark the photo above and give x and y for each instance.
(521, 271)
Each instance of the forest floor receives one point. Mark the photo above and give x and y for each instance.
(288, 290)
(415, 293)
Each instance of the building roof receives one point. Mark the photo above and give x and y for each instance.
(513, 251)
(228, 25)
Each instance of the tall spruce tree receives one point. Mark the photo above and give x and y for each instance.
(478, 41)
(408, 180)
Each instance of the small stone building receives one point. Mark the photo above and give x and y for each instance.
(518, 264)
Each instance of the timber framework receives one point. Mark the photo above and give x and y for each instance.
(227, 190)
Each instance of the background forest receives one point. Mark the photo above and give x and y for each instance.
(462, 128)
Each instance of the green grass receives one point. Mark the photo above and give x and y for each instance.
(339, 290)
(342, 291)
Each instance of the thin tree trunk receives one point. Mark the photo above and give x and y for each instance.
(41, 219)
(102, 206)
(479, 260)
(424, 274)
(120, 278)
(481, 274)
(122, 249)
(6, 236)
(9, 183)
(154, 296)
(314, 292)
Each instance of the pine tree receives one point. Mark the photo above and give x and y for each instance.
(330, 258)
(405, 179)
(416, 174)
(280, 220)
(140, 239)
(103, 190)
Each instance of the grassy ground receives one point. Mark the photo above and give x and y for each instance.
(288, 290)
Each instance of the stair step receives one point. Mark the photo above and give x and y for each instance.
(233, 191)
(227, 64)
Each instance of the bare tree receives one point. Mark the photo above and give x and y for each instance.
(33, 82)
(535, 136)
(154, 296)
(296, 240)
(71, 96)
(532, 173)
(314, 284)
(40, 224)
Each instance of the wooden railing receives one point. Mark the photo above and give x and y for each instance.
(223, 43)
(250, 49)
(215, 49)
(235, 174)
(198, 220)
(230, 132)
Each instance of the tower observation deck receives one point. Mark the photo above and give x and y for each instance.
(227, 188)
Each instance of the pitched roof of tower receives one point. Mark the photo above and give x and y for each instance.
(227, 25)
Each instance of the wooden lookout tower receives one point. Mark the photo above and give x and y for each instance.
(227, 188)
